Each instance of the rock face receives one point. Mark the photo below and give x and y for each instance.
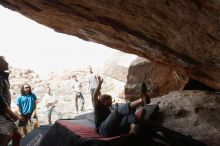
(159, 79)
(133, 70)
(118, 66)
(194, 113)
(181, 34)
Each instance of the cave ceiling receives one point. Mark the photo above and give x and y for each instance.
(181, 34)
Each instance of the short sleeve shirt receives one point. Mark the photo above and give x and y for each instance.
(101, 113)
(26, 103)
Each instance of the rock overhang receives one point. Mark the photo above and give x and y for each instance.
(183, 35)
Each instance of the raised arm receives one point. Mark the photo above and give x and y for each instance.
(97, 91)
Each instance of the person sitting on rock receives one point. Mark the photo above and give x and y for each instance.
(122, 118)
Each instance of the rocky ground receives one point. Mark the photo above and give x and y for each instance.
(60, 84)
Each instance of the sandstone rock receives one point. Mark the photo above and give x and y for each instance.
(194, 113)
(180, 34)
(118, 65)
(134, 70)
(159, 79)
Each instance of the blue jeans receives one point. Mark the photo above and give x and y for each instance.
(118, 122)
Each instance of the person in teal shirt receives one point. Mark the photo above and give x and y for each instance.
(26, 104)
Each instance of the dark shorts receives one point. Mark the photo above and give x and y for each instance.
(25, 122)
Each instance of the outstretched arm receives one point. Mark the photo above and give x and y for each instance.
(97, 91)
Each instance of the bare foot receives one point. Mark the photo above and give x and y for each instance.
(133, 129)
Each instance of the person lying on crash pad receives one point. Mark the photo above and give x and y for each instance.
(122, 119)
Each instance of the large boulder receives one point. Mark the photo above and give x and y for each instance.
(118, 65)
(180, 34)
(133, 70)
(159, 79)
(194, 113)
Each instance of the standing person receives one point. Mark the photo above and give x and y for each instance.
(8, 129)
(77, 88)
(93, 83)
(122, 119)
(26, 106)
(49, 102)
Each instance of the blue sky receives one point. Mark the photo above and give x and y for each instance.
(27, 44)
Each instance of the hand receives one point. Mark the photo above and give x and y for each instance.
(100, 79)
(34, 116)
(21, 118)
(15, 117)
